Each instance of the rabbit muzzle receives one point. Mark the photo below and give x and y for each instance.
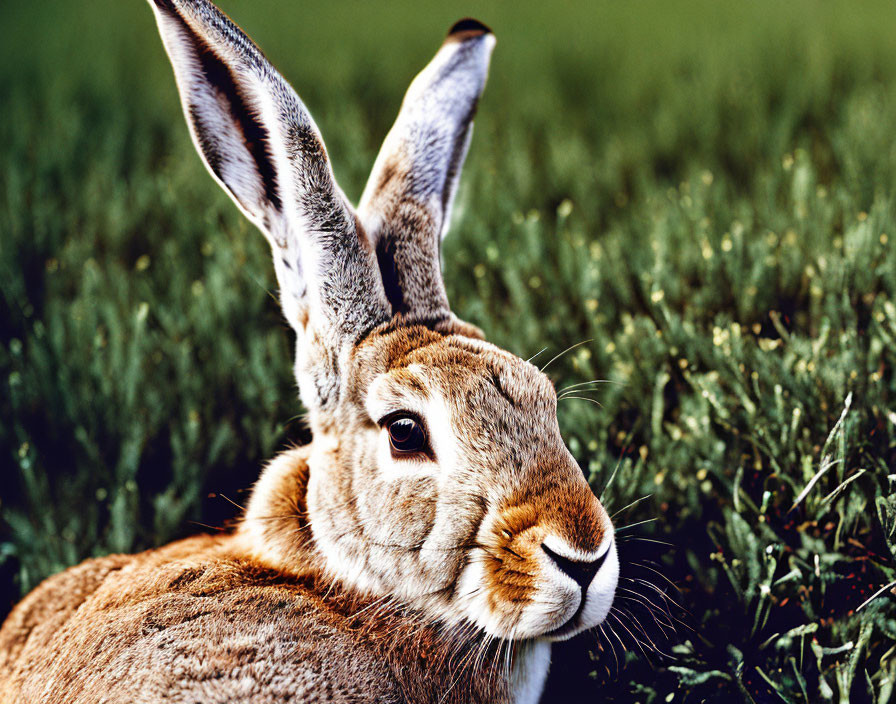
(546, 565)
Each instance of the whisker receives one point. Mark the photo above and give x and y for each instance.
(615, 617)
(588, 383)
(612, 649)
(469, 657)
(614, 633)
(653, 614)
(231, 501)
(628, 506)
(650, 608)
(206, 525)
(569, 393)
(646, 601)
(568, 349)
(637, 624)
(659, 591)
(581, 398)
(656, 572)
(639, 538)
(666, 601)
(566, 391)
(543, 349)
(635, 525)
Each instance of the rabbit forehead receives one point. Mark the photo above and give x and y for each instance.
(453, 364)
(402, 389)
(476, 380)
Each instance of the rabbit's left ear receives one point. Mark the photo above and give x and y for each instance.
(406, 204)
(260, 144)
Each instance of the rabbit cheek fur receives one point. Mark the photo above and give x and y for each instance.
(359, 572)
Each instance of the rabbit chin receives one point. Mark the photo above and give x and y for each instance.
(553, 612)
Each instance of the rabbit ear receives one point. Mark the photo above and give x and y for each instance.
(407, 201)
(259, 142)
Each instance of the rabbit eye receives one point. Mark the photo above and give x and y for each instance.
(406, 435)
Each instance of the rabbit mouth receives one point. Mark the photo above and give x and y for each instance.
(574, 625)
(567, 629)
(570, 626)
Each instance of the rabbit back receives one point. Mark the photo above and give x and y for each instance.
(187, 622)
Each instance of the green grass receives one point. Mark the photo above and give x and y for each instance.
(703, 191)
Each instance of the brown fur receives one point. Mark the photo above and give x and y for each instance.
(201, 620)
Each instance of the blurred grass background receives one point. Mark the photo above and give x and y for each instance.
(702, 191)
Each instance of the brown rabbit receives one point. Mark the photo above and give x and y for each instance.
(435, 536)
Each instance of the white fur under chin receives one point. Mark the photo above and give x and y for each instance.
(530, 672)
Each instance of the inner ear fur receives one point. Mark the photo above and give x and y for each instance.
(406, 204)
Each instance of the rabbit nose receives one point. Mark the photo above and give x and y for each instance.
(581, 571)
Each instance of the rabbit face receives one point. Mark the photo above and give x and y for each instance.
(455, 492)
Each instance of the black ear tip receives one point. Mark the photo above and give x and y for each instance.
(468, 27)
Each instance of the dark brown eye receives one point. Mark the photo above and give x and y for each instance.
(406, 434)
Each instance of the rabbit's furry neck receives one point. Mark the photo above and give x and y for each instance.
(276, 530)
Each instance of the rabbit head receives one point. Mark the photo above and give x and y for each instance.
(437, 474)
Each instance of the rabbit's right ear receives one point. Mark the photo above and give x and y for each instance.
(260, 143)
(406, 204)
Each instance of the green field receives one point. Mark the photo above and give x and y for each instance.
(704, 193)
